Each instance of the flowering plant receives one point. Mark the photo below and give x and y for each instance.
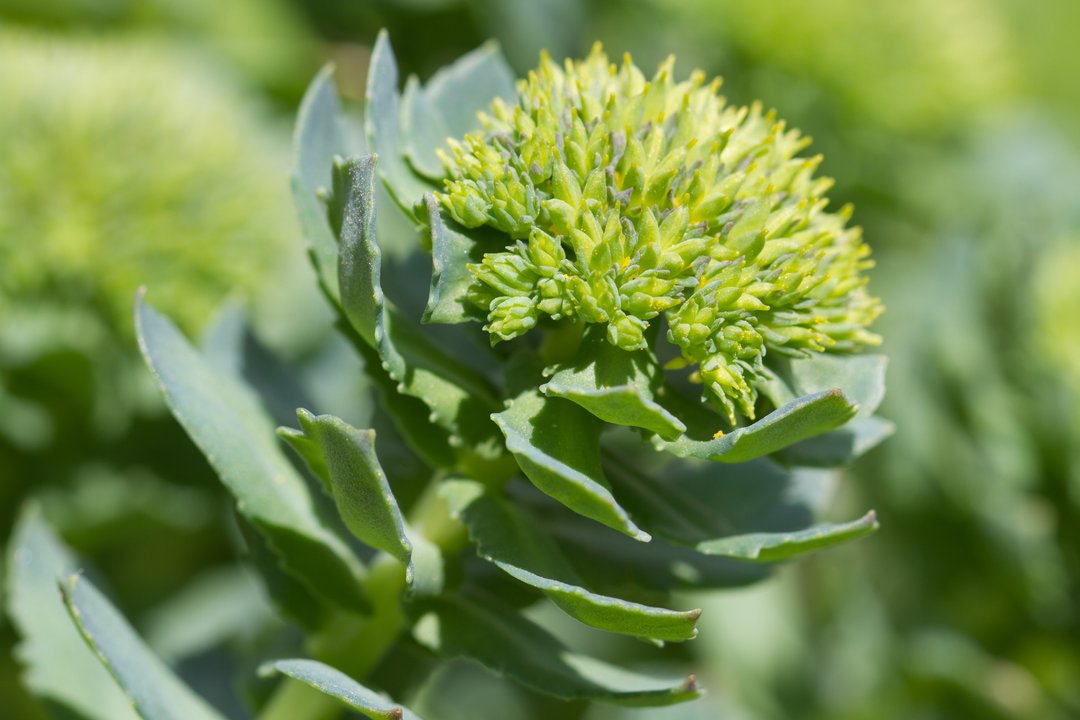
(632, 376)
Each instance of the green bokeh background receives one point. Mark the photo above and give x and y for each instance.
(146, 143)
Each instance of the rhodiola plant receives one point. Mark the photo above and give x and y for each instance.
(611, 326)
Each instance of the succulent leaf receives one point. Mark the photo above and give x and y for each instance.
(365, 500)
(557, 446)
(770, 547)
(37, 559)
(233, 432)
(838, 447)
(155, 691)
(447, 106)
(615, 386)
(460, 400)
(802, 418)
(514, 542)
(862, 379)
(317, 138)
(448, 299)
(754, 515)
(508, 643)
(383, 126)
(336, 684)
(360, 489)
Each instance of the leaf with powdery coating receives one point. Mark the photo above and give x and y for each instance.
(382, 115)
(460, 400)
(365, 500)
(755, 511)
(451, 250)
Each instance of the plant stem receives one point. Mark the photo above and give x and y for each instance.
(356, 644)
(561, 342)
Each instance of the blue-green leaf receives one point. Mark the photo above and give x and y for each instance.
(614, 564)
(423, 129)
(319, 134)
(752, 511)
(410, 415)
(615, 386)
(509, 644)
(317, 138)
(382, 116)
(839, 446)
(308, 451)
(469, 85)
(769, 547)
(515, 543)
(322, 247)
(862, 379)
(290, 597)
(153, 688)
(798, 420)
(557, 446)
(451, 252)
(460, 400)
(233, 432)
(360, 489)
(365, 500)
(331, 681)
(448, 106)
(78, 685)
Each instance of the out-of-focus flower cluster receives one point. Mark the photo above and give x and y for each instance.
(93, 201)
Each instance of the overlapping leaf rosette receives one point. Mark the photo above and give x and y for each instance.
(612, 319)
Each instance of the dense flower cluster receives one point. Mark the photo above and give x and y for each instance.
(625, 199)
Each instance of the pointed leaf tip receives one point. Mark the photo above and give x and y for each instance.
(332, 682)
(557, 446)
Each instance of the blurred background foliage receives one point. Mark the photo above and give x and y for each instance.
(146, 143)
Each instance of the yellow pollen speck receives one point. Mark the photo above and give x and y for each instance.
(718, 434)
(624, 262)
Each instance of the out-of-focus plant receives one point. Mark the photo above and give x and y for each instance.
(126, 160)
(132, 164)
(265, 41)
(914, 66)
(545, 460)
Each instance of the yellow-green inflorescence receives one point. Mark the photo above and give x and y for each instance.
(624, 199)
